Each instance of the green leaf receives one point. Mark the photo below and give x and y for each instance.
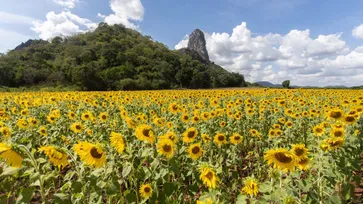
(131, 197)
(169, 188)
(335, 199)
(126, 170)
(36, 183)
(25, 195)
(76, 187)
(9, 171)
(241, 199)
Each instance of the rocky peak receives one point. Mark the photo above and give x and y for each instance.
(197, 43)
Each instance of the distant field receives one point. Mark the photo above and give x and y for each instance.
(182, 146)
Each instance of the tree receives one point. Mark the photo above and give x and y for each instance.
(286, 84)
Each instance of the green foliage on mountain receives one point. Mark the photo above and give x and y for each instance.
(110, 58)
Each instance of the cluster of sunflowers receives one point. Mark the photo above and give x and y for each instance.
(203, 146)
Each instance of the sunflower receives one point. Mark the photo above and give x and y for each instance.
(146, 191)
(173, 108)
(91, 154)
(57, 158)
(335, 114)
(195, 119)
(333, 143)
(33, 122)
(251, 186)
(43, 131)
(51, 118)
(220, 139)
(209, 177)
(304, 163)
(281, 159)
(271, 133)
(337, 132)
(255, 133)
(195, 151)
(117, 142)
(131, 123)
(190, 134)
(11, 157)
(77, 127)
(169, 136)
(166, 148)
(318, 130)
(185, 118)
(236, 138)
(349, 119)
(5, 131)
(145, 133)
(206, 138)
(205, 116)
(22, 123)
(206, 201)
(86, 116)
(103, 117)
(299, 150)
(71, 115)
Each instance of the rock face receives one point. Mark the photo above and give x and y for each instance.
(197, 43)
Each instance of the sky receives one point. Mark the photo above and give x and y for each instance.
(308, 42)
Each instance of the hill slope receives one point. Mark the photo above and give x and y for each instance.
(110, 58)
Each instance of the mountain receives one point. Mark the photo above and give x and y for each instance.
(268, 84)
(112, 58)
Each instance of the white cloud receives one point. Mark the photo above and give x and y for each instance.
(11, 18)
(358, 32)
(66, 3)
(183, 43)
(126, 12)
(324, 60)
(62, 24)
(10, 39)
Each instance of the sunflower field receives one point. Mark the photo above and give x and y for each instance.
(189, 146)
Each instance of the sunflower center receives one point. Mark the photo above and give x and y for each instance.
(221, 138)
(335, 143)
(146, 132)
(338, 133)
(236, 138)
(281, 157)
(319, 130)
(299, 151)
(78, 127)
(167, 148)
(349, 119)
(95, 154)
(104, 117)
(336, 114)
(43, 131)
(191, 134)
(195, 150)
(304, 161)
(209, 175)
(147, 189)
(86, 116)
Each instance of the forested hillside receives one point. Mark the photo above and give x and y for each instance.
(110, 58)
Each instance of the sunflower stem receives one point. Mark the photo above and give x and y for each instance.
(36, 166)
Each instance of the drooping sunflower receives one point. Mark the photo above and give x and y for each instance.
(337, 132)
(190, 134)
(10, 156)
(90, 154)
(208, 177)
(5, 131)
(299, 150)
(220, 139)
(146, 191)
(333, 143)
(206, 138)
(145, 133)
(195, 151)
(117, 141)
(250, 187)
(166, 148)
(236, 138)
(281, 159)
(77, 127)
(56, 157)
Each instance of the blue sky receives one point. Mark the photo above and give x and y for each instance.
(169, 21)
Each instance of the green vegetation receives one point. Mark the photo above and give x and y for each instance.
(286, 84)
(110, 58)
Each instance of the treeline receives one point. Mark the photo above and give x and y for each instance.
(109, 58)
